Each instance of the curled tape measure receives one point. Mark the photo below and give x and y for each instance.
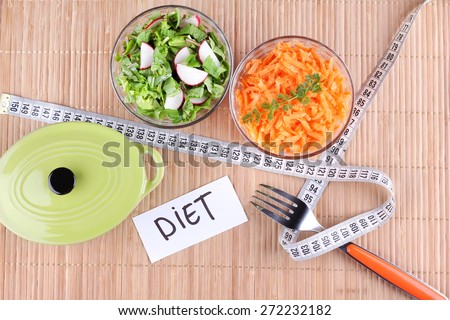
(312, 190)
(318, 174)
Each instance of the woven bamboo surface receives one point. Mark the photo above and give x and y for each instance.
(58, 51)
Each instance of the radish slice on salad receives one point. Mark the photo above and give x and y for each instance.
(205, 51)
(174, 102)
(194, 20)
(146, 56)
(191, 76)
(197, 101)
(154, 23)
(181, 55)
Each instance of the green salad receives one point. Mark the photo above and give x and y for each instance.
(172, 67)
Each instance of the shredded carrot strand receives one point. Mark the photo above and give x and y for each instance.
(281, 71)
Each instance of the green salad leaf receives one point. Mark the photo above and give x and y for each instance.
(150, 87)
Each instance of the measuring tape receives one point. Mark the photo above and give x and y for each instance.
(320, 172)
(220, 150)
(312, 190)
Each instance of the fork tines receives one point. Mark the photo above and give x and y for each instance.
(291, 214)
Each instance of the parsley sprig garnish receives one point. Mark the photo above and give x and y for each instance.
(283, 101)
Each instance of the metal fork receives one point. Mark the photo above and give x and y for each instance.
(298, 216)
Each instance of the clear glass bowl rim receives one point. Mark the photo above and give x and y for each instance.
(289, 38)
(148, 119)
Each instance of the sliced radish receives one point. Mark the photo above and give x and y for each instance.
(195, 20)
(154, 23)
(174, 102)
(205, 51)
(181, 55)
(198, 101)
(146, 56)
(191, 76)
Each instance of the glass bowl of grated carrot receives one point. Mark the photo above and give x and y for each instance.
(291, 97)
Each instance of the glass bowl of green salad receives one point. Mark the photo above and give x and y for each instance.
(171, 66)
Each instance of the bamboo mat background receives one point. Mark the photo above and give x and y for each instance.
(59, 51)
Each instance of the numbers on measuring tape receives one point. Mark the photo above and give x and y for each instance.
(364, 174)
(46, 111)
(194, 145)
(35, 111)
(67, 116)
(343, 173)
(384, 65)
(109, 124)
(356, 111)
(130, 131)
(268, 161)
(78, 117)
(354, 228)
(308, 198)
(332, 173)
(334, 150)
(363, 224)
(14, 107)
(204, 146)
(372, 220)
(335, 236)
(294, 252)
(313, 188)
(366, 93)
(161, 139)
(214, 149)
(225, 152)
(140, 134)
(289, 166)
(151, 136)
(288, 236)
(395, 46)
(311, 170)
(278, 164)
(300, 169)
(405, 27)
(99, 121)
(372, 83)
(400, 36)
(172, 140)
(120, 127)
(326, 241)
(56, 116)
(246, 157)
(183, 144)
(390, 207)
(321, 172)
(381, 215)
(235, 154)
(25, 108)
(316, 245)
(344, 232)
(305, 250)
(257, 159)
(353, 174)
(390, 56)
(341, 142)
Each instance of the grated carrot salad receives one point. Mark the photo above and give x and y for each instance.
(304, 125)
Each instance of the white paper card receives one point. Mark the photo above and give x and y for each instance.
(190, 219)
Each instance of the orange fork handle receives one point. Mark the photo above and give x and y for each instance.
(398, 277)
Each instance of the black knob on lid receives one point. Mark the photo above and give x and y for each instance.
(61, 181)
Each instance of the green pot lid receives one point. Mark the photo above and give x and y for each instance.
(71, 182)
